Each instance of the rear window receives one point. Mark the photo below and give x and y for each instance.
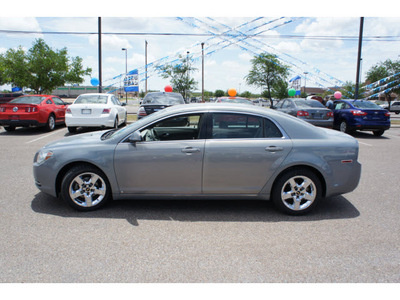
(28, 100)
(91, 99)
(365, 104)
(164, 99)
(308, 103)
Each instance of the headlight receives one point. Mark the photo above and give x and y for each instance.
(43, 155)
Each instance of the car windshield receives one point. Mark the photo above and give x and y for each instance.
(365, 104)
(164, 99)
(308, 104)
(91, 99)
(28, 100)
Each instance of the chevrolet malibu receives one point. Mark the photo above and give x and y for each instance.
(197, 151)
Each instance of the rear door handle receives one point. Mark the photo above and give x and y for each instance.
(273, 149)
(190, 150)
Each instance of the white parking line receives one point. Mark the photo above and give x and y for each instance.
(365, 144)
(42, 137)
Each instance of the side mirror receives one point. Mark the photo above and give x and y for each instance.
(123, 104)
(135, 137)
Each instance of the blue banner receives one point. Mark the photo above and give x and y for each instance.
(131, 81)
(16, 89)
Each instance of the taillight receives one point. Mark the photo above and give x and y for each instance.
(302, 113)
(330, 114)
(387, 114)
(358, 113)
(68, 111)
(106, 111)
(30, 109)
(142, 112)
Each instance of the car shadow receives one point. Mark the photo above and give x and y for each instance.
(368, 135)
(28, 131)
(196, 211)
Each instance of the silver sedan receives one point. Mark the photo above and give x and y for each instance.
(197, 151)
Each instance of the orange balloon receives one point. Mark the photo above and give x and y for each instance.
(232, 92)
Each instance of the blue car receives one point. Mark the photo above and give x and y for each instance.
(352, 115)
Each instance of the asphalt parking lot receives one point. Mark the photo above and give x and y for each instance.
(349, 238)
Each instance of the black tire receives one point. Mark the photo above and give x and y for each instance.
(72, 129)
(126, 119)
(378, 133)
(116, 123)
(79, 192)
(297, 192)
(9, 128)
(51, 123)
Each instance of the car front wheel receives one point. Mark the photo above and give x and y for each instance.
(297, 192)
(85, 188)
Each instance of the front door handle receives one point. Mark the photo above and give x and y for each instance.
(190, 150)
(273, 149)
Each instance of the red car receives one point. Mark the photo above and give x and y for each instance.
(33, 110)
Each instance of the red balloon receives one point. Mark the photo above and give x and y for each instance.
(168, 88)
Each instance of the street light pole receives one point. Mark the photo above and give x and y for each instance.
(145, 90)
(305, 82)
(126, 71)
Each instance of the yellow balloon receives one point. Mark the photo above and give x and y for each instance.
(232, 92)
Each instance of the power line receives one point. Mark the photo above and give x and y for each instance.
(386, 38)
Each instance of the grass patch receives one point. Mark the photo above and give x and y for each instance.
(132, 117)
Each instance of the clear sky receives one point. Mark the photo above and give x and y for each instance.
(317, 39)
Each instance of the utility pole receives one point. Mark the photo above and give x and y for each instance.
(100, 83)
(145, 73)
(359, 57)
(202, 72)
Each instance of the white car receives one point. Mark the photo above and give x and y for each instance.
(95, 110)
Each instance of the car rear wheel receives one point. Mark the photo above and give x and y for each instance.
(343, 127)
(72, 129)
(9, 128)
(116, 123)
(378, 132)
(51, 123)
(297, 192)
(85, 188)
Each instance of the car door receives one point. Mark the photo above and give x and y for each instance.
(59, 109)
(168, 160)
(340, 112)
(242, 153)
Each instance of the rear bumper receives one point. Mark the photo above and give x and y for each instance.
(21, 123)
(369, 127)
(99, 121)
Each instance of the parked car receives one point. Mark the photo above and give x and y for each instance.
(95, 110)
(33, 110)
(238, 100)
(352, 115)
(262, 154)
(156, 101)
(7, 97)
(395, 107)
(311, 111)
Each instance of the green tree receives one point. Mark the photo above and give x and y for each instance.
(280, 89)
(41, 69)
(219, 93)
(382, 70)
(246, 94)
(267, 72)
(179, 76)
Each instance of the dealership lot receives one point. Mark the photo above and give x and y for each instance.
(350, 238)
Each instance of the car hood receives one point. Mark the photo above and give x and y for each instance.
(78, 139)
